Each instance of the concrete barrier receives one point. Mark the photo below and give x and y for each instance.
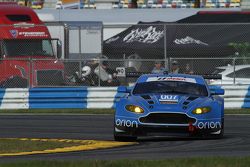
(93, 97)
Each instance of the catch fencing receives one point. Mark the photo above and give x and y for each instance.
(30, 73)
(176, 47)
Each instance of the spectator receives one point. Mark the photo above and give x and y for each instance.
(188, 69)
(82, 79)
(106, 75)
(134, 4)
(86, 78)
(158, 68)
(93, 64)
(175, 69)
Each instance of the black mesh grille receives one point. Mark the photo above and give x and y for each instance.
(151, 102)
(50, 78)
(167, 118)
(146, 97)
(192, 98)
(186, 103)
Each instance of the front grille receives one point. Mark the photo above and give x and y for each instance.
(167, 118)
(50, 78)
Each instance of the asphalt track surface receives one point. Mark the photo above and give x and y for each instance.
(100, 127)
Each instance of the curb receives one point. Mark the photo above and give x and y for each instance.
(84, 145)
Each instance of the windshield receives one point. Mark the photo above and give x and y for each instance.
(218, 71)
(27, 47)
(175, 87)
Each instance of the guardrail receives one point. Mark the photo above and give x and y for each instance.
(93, 97)
(237, 96)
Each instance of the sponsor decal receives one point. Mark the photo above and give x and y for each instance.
(209, 125)
(189, 40)
(121, 71)
(168, 98)
(33, 34)
(192, 80)
(126, 123)
(14, 33)
(112, 40)
(149, 35)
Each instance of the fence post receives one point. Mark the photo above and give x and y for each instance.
(80, 35)
(234, 69)
(80, 66)
(99, 77)
(31, 73)
(165, 48)
(66, 41)
(170, 65)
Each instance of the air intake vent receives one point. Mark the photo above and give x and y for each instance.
(146, 97)
(151, 102)
(186, 103)
(191, 98)
(19, 17)
(167, 118)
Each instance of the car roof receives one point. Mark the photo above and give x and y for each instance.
(197, 78)
(231, 66)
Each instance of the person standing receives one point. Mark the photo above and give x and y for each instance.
(175, 69)
(188, 69)
(158, 68)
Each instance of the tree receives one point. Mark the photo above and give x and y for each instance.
(242, 51)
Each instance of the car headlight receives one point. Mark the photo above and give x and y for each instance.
(201, 110)
(135, 109)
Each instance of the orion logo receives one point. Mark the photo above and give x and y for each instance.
(209, 125)
(127, 123)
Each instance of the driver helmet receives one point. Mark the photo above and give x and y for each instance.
(86, 71)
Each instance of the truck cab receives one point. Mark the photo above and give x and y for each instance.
(29, 57)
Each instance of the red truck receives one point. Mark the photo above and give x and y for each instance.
(29, 57)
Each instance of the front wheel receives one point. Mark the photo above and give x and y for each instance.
(221, 134)
(216, 136)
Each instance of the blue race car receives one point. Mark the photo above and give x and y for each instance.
(169, 105)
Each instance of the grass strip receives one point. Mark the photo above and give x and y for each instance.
(59, 111)
(91, 111)
(238, 111)
(175, 162)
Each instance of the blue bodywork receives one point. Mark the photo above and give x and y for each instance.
(169, 114)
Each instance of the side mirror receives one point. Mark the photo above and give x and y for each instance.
(59, 49)
(216, 90)
(124, 89)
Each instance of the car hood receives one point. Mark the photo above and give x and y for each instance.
(170, 102)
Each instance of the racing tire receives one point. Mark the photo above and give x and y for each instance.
(125, 138)
(215, 136)
(219, 136)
